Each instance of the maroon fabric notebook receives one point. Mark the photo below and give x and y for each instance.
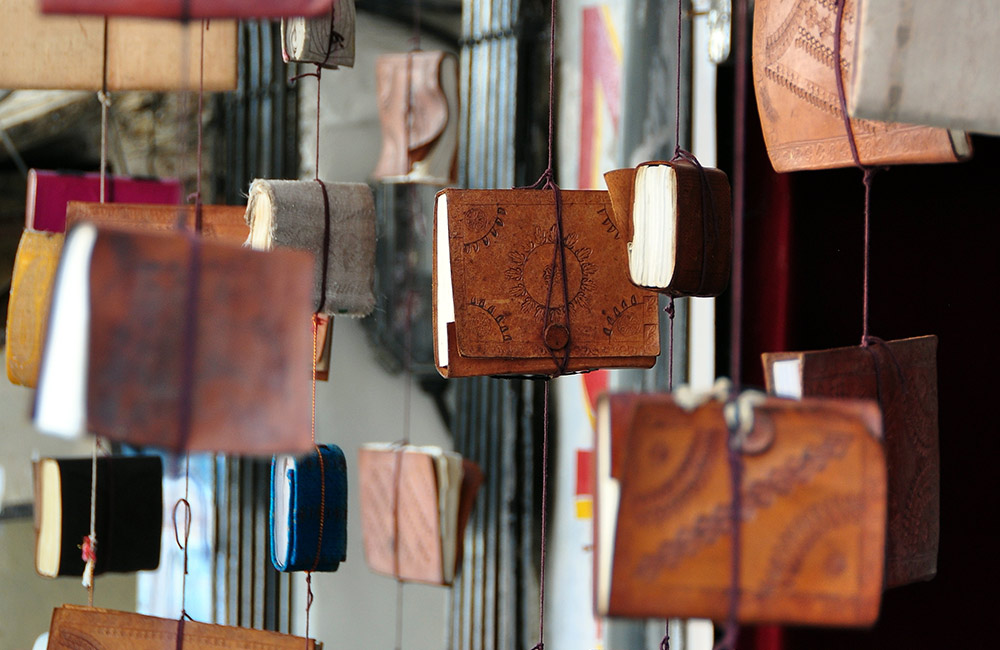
(50, 191)
(189, 8)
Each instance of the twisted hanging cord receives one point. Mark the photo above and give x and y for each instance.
(186, 535)
(868, 171)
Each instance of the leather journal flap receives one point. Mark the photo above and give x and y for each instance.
(813, 514)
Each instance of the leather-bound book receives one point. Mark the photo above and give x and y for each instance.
(326, 40)
(795, 79)
(417, 96)
(313, 216)
(74, 627)
(186, 9)
(308, 511)
(223, 223)
(169, 340)
(493, 264)
(902, 376)
(812, 526)
(49, 194)
(943, 73)
(128, 508)
(677, 221)
(67, 52)
(415, 502)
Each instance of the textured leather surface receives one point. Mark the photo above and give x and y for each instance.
(218, 222)
(902, 376)
(704, 250)
(129, 512)
(28, 308)
(50, 192)
(252, 349)
(419, 555)
(313, 489)
(75, 627)
(413, 110)
(813, 513)
(794, 76)
(501, 248)
(189, 8)
(67, 52)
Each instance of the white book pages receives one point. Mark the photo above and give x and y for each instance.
(445, 297)
(283, 467)
(788, 378)
(607, 497)
(61, 398)
(653, 251)
(48, 551)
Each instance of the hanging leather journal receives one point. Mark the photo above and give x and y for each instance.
(326, 41)
(415, 502)
(74, 627)
(677, 222)
(813, 511)
(333, 221)
(67, 52)
(493, 266)
(187, 9)
(417, 96)
(797, 98)
(308, 511)
(128, 513)
(168, 340)
(902, 376)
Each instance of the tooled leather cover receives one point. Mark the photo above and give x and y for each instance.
(704, 244)
(813, 517)
(902, 376)
(75, 627)
(252, 352)
(797, 97)
(409, 83)
(419, 553)
(219, 222)
(501, 250)
(189, 8)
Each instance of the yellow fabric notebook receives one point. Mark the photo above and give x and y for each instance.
(27, 313)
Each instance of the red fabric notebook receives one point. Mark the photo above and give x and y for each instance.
(50, 191)
(189, 8)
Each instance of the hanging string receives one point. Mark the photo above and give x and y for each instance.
(868, 171)
(183, 545)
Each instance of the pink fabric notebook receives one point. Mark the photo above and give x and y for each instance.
(190, 8)
(49, 191)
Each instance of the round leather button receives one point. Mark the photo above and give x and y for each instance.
(556, 336)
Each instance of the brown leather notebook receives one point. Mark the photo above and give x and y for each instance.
(67, 52)
(218, 222)
(418, 108)
(798, 102)
(187, 9)
(75, 627)
(902, 376)
(425, 496)
(678, 223)
(493, 257)
(190, 344)
(813, 511)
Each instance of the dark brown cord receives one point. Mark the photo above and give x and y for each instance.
(326, 246)
(545, 488)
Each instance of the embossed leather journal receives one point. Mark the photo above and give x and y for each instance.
(493, 265)
(187, 9)
(677, 222)
(902, 376)
(798, 102)
(169, 340)
(326, 40)
(50, 192)
(333, 221)
(222, 223)
(418, 107)
(415, 502)
(308, 511)
(943, 72)
(75, 627)
(128, 510)
(813, 511)
(67, 52)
